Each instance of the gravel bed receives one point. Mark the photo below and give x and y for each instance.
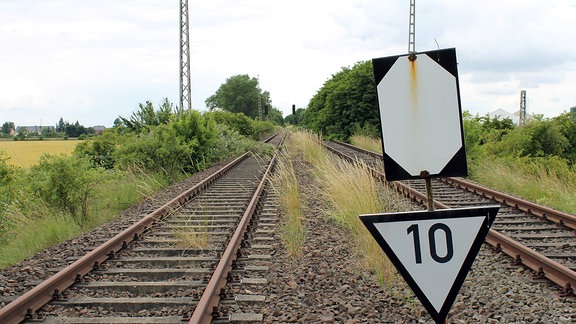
(327, 285)
(16, 280)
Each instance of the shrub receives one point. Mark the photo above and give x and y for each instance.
(65, 183)
(183, 145)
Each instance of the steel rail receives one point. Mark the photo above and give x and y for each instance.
(210, 299)
(26, 305)
(543, 266)
(524, 205)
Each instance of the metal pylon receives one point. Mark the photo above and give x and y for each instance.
(412, 29)
(185, 93)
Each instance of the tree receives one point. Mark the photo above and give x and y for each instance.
(61, 126)
(147, 116)
(567, 126)
(294, 119)
(239, 94)
(538, 138)
(74, 130)
(8, 127)
(345, 102)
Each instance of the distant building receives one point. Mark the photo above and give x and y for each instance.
(515, 117)
(34, 129)
(98, 129)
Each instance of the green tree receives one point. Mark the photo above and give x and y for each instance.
(567, 127)
(239, 94)
(345, 102)
(74, 130)
(8, 127)
(538, 138)
(61, 126)
(146, 116)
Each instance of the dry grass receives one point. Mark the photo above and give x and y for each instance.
(549, 184)
(367, 143)
(191, 238)
(285, 184)
(351, 191)
(27, 153)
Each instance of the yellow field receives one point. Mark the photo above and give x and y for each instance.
(27, 153)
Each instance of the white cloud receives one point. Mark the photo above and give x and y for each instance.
(94, 60)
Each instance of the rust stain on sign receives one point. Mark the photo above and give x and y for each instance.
(414, 83)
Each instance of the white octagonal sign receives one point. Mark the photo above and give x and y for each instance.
(420, 115)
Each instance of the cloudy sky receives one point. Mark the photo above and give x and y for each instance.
(92, 61)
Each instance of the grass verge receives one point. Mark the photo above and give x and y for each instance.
(285, 185)
(547, 181)
(367, 143)
(34, 226)
(351, 191)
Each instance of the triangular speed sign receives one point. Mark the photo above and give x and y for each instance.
(433, 250)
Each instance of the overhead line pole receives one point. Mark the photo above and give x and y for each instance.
(412, 30)
(185, 91)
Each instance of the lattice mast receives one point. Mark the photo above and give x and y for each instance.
(522, 112)
(185, 92)
(412, 30)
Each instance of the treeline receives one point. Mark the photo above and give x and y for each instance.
(61, 195)
(63, 129)
(540, 138)
(344, 105)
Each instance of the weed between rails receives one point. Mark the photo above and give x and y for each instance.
(350, 190)
(367, 143)
(192, 235)
(285, 184)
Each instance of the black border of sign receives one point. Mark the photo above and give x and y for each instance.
(457, 166)
(488, 211)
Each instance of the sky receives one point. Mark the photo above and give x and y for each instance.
(92, 61)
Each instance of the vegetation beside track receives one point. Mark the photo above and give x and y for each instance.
(350, 190)
(533, 170)
(63, 196)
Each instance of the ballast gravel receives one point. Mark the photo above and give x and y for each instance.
(326, 284)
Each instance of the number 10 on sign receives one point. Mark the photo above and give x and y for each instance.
(433, 250)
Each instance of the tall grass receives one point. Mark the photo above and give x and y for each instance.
(351, 191)
(307, 144)
(547, 181)
(32, 226)
(367, 143)
(285, 184)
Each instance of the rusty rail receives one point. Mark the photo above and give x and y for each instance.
(544, 267)
(524, 205)
(25, 306)
(211, 297)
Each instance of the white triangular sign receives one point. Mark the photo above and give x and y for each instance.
(434, 278)
(434, 250)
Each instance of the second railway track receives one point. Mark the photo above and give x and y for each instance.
(539, 237)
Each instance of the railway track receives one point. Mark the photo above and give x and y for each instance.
(201, 258)
(536, 236)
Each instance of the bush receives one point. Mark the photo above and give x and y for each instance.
(65, 183)
(100, 150)
(183, 145)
